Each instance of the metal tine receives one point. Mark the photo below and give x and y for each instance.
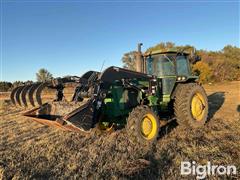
(17, 95)
(39, 91)
(31, 92)
(12, 96)
(24, 93)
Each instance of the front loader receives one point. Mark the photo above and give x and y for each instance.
(161, 89)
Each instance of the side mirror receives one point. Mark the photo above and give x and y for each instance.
(195, 59)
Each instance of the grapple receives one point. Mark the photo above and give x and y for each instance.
(60, 113)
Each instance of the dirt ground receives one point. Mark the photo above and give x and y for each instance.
(29, 150)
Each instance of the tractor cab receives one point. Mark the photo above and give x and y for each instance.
(170, 67)
(168, 64)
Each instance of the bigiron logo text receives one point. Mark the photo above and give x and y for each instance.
(202, 171)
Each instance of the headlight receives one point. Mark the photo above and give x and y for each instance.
(181, 78)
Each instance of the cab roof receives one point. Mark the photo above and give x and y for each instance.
(170, 51)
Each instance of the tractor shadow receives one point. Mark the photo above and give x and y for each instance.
(166, 129)
(215, 102)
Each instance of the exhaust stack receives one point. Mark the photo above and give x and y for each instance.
(139, 59)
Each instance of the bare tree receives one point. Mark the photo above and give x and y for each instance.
(43, 75)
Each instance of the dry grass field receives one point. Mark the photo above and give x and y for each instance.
(29, 150)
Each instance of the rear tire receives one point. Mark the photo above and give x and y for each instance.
(191, 105)
(142, 126)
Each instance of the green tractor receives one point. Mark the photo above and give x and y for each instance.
(161, 89)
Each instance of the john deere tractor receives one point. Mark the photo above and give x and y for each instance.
(161, 89)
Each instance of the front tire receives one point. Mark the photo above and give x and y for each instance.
(191, 105)
(142, 126)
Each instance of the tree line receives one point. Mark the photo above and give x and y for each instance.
(215, 66)
(41, 76)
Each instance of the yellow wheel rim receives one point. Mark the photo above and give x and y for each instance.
(198, 107)
(105, 126)
(149, 126)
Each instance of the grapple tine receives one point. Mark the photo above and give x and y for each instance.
(31, 92)
(39, 91)
(17, 95)
(12, 96)
(24, 93)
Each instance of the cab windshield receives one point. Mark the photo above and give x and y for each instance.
(163, 65)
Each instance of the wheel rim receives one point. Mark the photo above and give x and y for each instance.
(198, 107)
(149, 126)
(105, 126)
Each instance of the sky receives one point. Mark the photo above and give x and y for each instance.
(72, 37)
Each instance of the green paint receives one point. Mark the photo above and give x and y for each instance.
(153, 100)
(120, 100)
